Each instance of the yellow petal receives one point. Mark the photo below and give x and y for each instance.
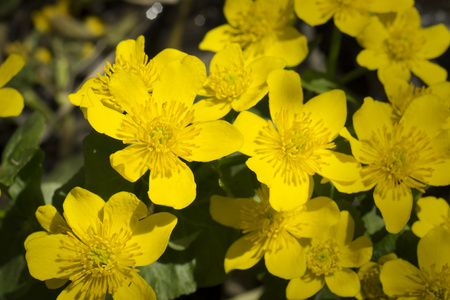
(55, 283)
(356, 146)
(250, 98)
(400, 277)
(287, 261)
(123, 210)
(384, 6)
(242, 254)
(177, 189)
(216, 39)
(231, 54)
(215, 140)
(250, 126)
(372, 116)
(439, 177)
(437, 40)
(129, 91)
(431, 212)
(373, 37)
(180, 81)
(344, 229)
(310, 12)
(285, 93)
(433, 250)
(372, 59)
(344, 283)
(35, 235)
(165, 57)
(210, 109)
(152, 236)
(395, 207)
(351, 21)
(80, 97)
(73, 291)
(227, 211)
(82, 210)
(131, 162)
(329, 108)
(429, 72)
(10, 67)
(289, 45)
(357, 253)
(261, 68)
(286, 196)
(304, 287)
(50, 219)
(263, 168)
(234, 8)
(11, 102)
(135, 287)
(126, 50)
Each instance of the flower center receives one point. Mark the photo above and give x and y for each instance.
(371, 287)
(323, 257)
(403, 42)
(438, 286)
(229, 82)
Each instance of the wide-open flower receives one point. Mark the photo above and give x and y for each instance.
(261, 28)
(99, 246)
(297, 143)
(329, 258)
(350, 16)
(398, 156)
(234, 83)
(432, 212)
(11, 101)
(271, 234)
(402, 46)
(431, 281)
(159, 129)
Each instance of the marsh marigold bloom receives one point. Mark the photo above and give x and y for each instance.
(401, 45)
(350, 16)
(431, 281)
(234, 83)
(329, 258)
(297, 143)
(97, 246)
(271, 234)
(431, 212)
(159, 129)
(11, 101)
(398, 156)
(261, 28)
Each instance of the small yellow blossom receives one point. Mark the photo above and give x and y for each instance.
(350, 16)
(329, 258)
(398, 156)
(402, 46)
(95, 25)
(234, 83)
(271, 234)
(297, 143)
(431, 281)
(42, 19)
(432, 212)
(369, 275)
(97, 246)
(11, 101)
(43, 55)
(261, 28)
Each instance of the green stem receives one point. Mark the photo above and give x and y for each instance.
(352, 75)
(333, 55)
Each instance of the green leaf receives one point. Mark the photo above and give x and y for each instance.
(21, 148)
(11, 276)
(373, 222)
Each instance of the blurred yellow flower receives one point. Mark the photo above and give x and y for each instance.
(271, 234)
(43, 55)
(11, 101)
(296, 144)
(329, 259)
(42, 18)
(98, 245)
(400, 45)
(261, 28)
(402, 280)
(95, 25)
(234, 83)
(398, 156)
(432, 212)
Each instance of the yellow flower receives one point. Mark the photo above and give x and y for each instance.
(369, 275)
(402, 46)
(329, 259)
(43, 55)
(42, 19)
(271, 234)
(99, 246)
(287, 151)
(431, 280)
(11, 101)
(350, 16)
(159, 129)
(398, 156)
(95, 25)
(261, 28)
(234, 83)
(432, 212)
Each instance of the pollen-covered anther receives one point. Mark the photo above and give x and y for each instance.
(323, 258)
(401, 45)
(229, 82)
(371, 287)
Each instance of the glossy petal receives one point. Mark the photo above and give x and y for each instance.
(373, 36)
(344, 283)
(344, 229)
(216, 39)
(73, 291)
(231, 54)
(263, 168)
(372, 116)
(129, 91)
(372, 59)
(227, 210)
(55, 283)
(290, 45)
(439, 177)
(285, 93)
(429, 72)
(242, 254)
(82, 210)
(215, 140)
(234, 8)
(250, 126)
(131, 162)
(127, 49)
(431, 212)
(286, 196)
(399, 277)
(310, 12)
(357, 253)
(250, 98)
(433, 250)
(79, 98)
(262, 67)
(395, 210)
(152, 236)
(437, 41)
(10, 67)
(165, 57)
(352, 21)
(134, 288)
(11, 102)
(304, 287)
(50, 219)
(287, 261)
(177, 189)
(210, 109)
